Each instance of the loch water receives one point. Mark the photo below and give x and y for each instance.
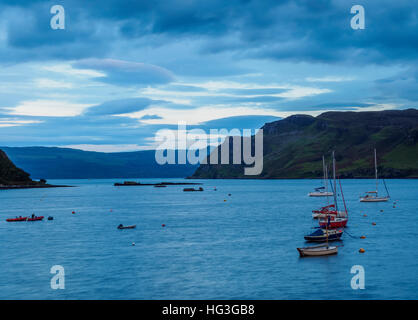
(213, 246)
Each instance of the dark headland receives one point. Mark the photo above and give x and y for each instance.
(11, 177)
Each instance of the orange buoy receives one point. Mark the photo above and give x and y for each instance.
(364, 215)
(362, 237)
(362, 250)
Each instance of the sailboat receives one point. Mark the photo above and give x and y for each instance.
(325, 249)
(321, 235)
(320, 250)
(373, 196)
(340, 218)
(320, 191)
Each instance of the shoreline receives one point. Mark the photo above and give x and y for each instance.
(13, 187)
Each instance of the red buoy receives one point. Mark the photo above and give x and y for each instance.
(163, 225)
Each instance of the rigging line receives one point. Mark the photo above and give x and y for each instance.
(350, 234)
(342, 195)
(387, 191)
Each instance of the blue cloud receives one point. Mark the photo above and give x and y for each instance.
(116, 107)
(126, 73)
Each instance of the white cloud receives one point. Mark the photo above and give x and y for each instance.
(199, 114)
(330, 79)
(15, 122)
(67, 69)
(48, 108)
(48, 83)
(217, 89)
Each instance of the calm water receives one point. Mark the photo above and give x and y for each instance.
(244, 248)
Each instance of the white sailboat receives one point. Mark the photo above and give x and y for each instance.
(330, 209)
(373, 196)
(321, 192)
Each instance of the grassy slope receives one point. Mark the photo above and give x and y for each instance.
(293, 147)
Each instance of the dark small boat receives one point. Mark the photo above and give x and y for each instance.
(50, 218)
(320, 235)
(121, 227)
(192, 189)
(17, 219)
(160, 186)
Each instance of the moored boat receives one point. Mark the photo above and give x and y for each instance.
(321, 235)
(373, 196)
(315, 251)
(34, 218)
(322, 191)
(333, 222)
(121, 227)
(17, 219)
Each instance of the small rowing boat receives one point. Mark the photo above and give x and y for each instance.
(17, 219)
(315, 251)
(36, 218)
(121, 227)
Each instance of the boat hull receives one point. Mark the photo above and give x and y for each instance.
(127, 227)
(36, 219)
(333, 235)
(339, 214)
(374, 199)
(320, 194)
(317, 251)
(17, 219)
(336, 223)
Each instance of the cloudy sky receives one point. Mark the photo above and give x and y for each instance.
(122, 70)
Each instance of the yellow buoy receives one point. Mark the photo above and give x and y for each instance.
(362, 250)
(362, 237)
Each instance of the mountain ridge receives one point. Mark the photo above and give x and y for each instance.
(67, 163)
(293, 147)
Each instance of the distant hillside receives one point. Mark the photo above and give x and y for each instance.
(64, 163)
(293, 147)
(10, 174)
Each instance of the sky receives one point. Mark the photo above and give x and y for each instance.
(121, 71)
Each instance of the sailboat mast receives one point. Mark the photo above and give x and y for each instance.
(335, 183)
(323, 169)
(375, 168)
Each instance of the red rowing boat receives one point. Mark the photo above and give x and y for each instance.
(36, 218)
(19, 219)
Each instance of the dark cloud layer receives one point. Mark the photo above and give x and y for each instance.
(299, 30)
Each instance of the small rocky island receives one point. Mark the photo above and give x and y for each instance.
(12, 177)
